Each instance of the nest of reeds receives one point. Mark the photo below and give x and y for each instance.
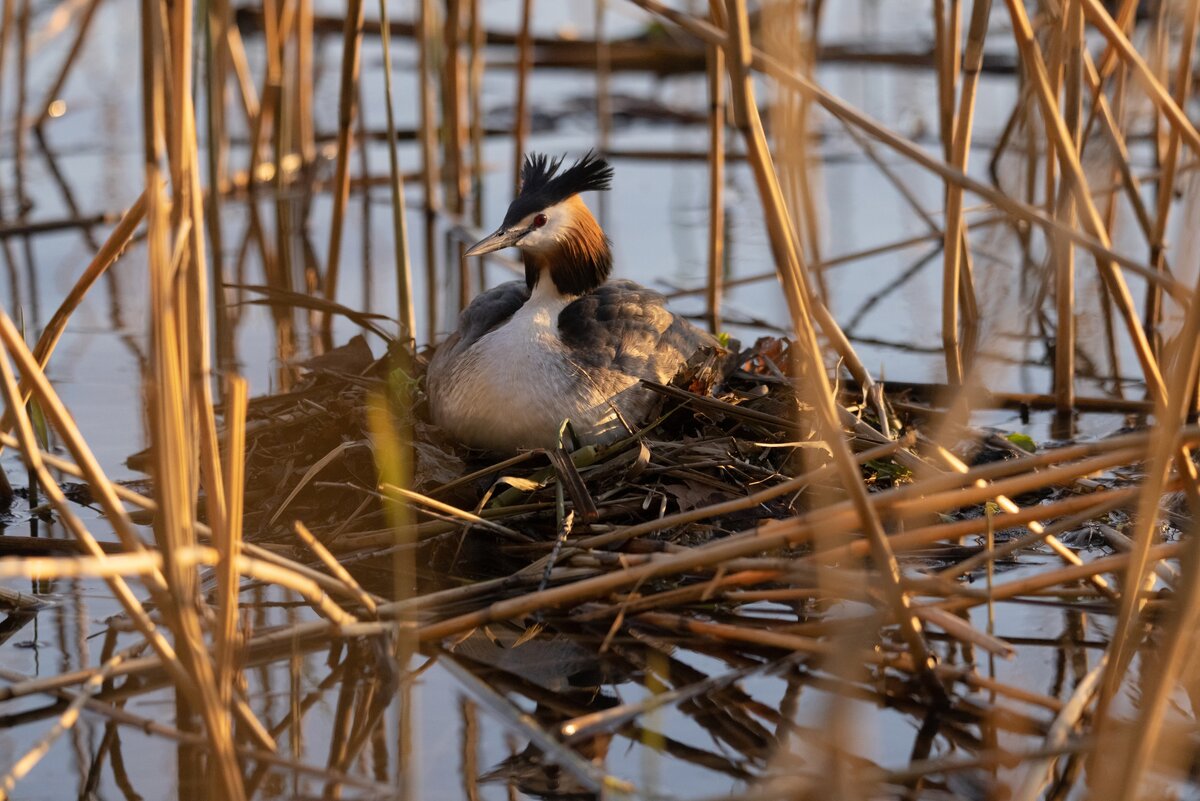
(729, 437)
(730, 420)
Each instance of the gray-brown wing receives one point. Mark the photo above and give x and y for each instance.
(623, 326)
(487, 311)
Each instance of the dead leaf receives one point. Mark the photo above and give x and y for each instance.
(350, 359)
(695, 496)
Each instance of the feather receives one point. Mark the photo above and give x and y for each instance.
(542, 185)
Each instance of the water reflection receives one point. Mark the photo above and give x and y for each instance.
(556, 708)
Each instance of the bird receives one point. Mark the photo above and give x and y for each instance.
(567, 344)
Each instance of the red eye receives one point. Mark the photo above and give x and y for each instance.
(539, 221)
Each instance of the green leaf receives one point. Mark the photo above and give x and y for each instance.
(723, 339)
(1022, 441)
(40, 429)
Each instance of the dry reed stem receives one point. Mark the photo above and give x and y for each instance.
(1006, 503)
(1092, 510)
(477, 40)
(957, 135)
(839, 518)
(309, 475)
(428, 129)
(1099, 17)
(1073, 172)
(147, 563)
(1063, 254)
(964, 632)
(1130, 181)
(404, 298)
(771, 639)
(944, 62)
(228, 539)
(1171, 413)
(104, 491)
(791, 485)
(521, 109)
(453, 511)
(913, 152)
(121, 591)
(335, 567)
(241, 69)
(148, 726)
(1170, 668)
(351, 57)
(178, 358)
(797, 287)
(1166, 183)
(716, 185)
(1110, 59)
(454, 109)
(1038, 773)
(105, 257)
(1013, 589)
(151, 507)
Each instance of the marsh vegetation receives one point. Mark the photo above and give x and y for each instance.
(923, 529)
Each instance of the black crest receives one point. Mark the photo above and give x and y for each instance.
(543, 185)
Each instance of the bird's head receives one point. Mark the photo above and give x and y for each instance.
(553, 228)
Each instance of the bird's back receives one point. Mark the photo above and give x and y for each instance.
(623, 326)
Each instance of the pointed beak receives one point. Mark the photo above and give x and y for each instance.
(498, 241)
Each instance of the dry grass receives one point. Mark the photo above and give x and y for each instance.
(775, 485)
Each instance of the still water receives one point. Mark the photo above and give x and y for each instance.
(656, 216)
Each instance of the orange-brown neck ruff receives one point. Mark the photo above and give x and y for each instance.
(579, 260)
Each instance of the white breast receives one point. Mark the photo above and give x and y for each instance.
(515, 386)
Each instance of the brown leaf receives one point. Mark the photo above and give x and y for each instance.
(351, 358)
(695, 496)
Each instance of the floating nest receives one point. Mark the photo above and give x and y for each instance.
(732, 422)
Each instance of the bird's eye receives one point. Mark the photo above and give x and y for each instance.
(539, 221)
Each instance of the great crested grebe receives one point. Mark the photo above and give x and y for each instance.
(564, 344)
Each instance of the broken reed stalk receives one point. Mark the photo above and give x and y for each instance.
(347, 93)
(404, 298)
(603, 77)
(454, 108)
(954, 243)
(714, 288)
(521, 110)
(228, 540)
(1165, 193)
(150, 562)
(793, 276)
(1063, 258)
(428, 121)
(477, 40)
(946, 54)
(335, 567)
